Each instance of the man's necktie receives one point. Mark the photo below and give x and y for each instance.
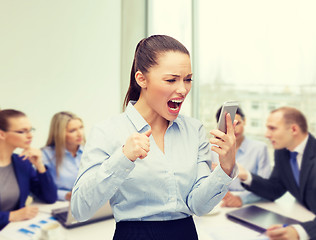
(294, 166)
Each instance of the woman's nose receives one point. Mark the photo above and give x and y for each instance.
(29, 135)
(182, 88)
(80, 132)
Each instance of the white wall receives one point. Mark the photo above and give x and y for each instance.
(60, 55)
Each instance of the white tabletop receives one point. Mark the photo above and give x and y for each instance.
(216, 226)
(213, 226)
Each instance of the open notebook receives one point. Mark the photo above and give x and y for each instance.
(64, 216)
(259, 219)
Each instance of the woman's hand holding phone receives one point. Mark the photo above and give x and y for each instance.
(225, 145)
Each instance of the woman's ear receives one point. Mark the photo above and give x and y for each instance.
(2, 135)
(140, 79)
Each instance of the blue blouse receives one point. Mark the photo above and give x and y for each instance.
(163, 186)
(67, 172)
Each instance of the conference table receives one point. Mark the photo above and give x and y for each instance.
(212, 226)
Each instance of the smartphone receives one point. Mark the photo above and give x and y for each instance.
(228, 107)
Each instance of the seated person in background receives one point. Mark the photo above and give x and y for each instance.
(21, 174)
(294, 170)
(63, 150)
(252, 155)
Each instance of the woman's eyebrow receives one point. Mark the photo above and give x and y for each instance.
(171, 74)
(189, 75)
(177, 75)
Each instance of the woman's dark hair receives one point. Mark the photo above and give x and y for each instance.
(146, 54)
(6, 114)
(239, 112)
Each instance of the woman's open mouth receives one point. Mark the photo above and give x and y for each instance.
(174, 105)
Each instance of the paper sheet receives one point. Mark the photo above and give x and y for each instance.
(26, 230)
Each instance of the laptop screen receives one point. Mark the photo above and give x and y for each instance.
(64, 216)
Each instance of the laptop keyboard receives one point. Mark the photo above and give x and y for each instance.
(62, 216)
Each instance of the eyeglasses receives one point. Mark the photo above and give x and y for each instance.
(26, 131)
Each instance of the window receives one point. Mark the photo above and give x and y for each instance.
(261, 53)
(254, 123)
(255, 106)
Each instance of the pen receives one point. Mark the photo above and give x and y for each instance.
(263, 233)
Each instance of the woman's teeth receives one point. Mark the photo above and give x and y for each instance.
(174, 104)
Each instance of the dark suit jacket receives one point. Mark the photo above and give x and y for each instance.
(282, 180)
(30, 181)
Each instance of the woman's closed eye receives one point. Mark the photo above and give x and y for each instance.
(171, 80)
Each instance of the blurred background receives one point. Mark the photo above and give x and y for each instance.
(76, 56)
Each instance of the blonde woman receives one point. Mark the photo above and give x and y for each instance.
(63, 151)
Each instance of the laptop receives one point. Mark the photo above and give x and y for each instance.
(258, 219)
(64, 216)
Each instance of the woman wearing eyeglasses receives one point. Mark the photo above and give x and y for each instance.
(18, 177)
(63, 150)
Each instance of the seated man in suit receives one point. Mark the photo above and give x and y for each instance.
(294, 170)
